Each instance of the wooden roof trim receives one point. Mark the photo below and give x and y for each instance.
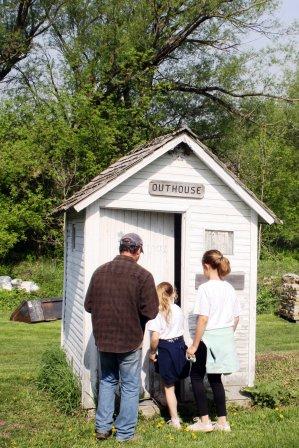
(115, 169)
(232, 181)
(128, 173)
(145, 154)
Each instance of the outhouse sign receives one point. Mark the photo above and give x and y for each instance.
(180, 189)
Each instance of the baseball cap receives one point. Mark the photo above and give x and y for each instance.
(132, 239)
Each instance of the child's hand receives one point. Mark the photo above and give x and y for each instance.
(191, 350)
(153, 357)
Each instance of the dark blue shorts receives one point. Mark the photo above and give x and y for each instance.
(171, 362)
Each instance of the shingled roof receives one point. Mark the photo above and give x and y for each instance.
(136, 156)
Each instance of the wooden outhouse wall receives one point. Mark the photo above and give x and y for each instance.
(74, 291)
(220, 209)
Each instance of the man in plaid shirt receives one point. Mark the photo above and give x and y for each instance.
(121, 298)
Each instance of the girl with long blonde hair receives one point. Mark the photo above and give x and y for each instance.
(168, 348)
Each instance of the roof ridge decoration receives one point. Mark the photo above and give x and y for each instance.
(137, 155)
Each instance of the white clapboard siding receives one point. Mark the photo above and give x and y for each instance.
(220, 210)
(74, 292)
(133, 193)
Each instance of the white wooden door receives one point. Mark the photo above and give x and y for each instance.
(157, 233)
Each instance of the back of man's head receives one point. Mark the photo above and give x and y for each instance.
(131, 242)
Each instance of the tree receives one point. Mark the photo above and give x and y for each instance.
(21, 22)
(264, 154)
(111, 74)
(127, 50)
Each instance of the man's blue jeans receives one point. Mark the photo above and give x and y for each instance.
(126, 368)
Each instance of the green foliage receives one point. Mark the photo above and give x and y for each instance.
(265, 155)
(57, 378)
(270, 395)
(267, 300)
(20, 23)
(274, 263)
(123, 72)
(47, 154)
(9, 300)
(46, 273)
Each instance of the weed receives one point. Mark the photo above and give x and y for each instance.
(270, 395)
(56, 377)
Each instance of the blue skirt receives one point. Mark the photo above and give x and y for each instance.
(171, 362)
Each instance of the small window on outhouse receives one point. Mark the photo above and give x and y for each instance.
(73, 237)
(221, 240)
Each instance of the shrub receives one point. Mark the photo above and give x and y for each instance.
(9, 300)
(270, 395)
(47, 273)
(276, 382)
(267, 300)
(56, 377)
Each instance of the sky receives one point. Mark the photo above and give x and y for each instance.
(287, 12)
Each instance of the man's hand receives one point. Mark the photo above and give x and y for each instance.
(153, 357)
(191, 350)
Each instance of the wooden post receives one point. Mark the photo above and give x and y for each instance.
(252, 297)
(91, 262)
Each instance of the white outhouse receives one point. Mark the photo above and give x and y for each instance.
(182, 200)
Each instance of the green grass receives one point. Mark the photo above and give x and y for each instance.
(30, 418)
(276, 334)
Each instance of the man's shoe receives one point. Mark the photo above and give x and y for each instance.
(103, 435)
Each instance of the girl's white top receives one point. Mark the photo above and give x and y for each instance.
(217, 299)
(173, 329)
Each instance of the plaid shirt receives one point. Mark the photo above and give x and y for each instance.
(121, 298)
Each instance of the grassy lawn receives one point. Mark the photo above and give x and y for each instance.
(276, 334)
(29, 418)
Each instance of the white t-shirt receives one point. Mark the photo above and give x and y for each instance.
(217, 299)
(173, 329)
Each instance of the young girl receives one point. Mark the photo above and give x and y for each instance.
(167, 337)
(213, 345)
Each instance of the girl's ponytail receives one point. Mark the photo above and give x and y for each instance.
(216, 260)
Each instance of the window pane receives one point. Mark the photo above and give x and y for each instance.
(220, 240)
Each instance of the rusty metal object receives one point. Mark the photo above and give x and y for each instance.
(32, 311)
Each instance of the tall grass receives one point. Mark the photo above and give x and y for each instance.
(56, 377)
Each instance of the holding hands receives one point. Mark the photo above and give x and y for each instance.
(153, 357)
(191, 350)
